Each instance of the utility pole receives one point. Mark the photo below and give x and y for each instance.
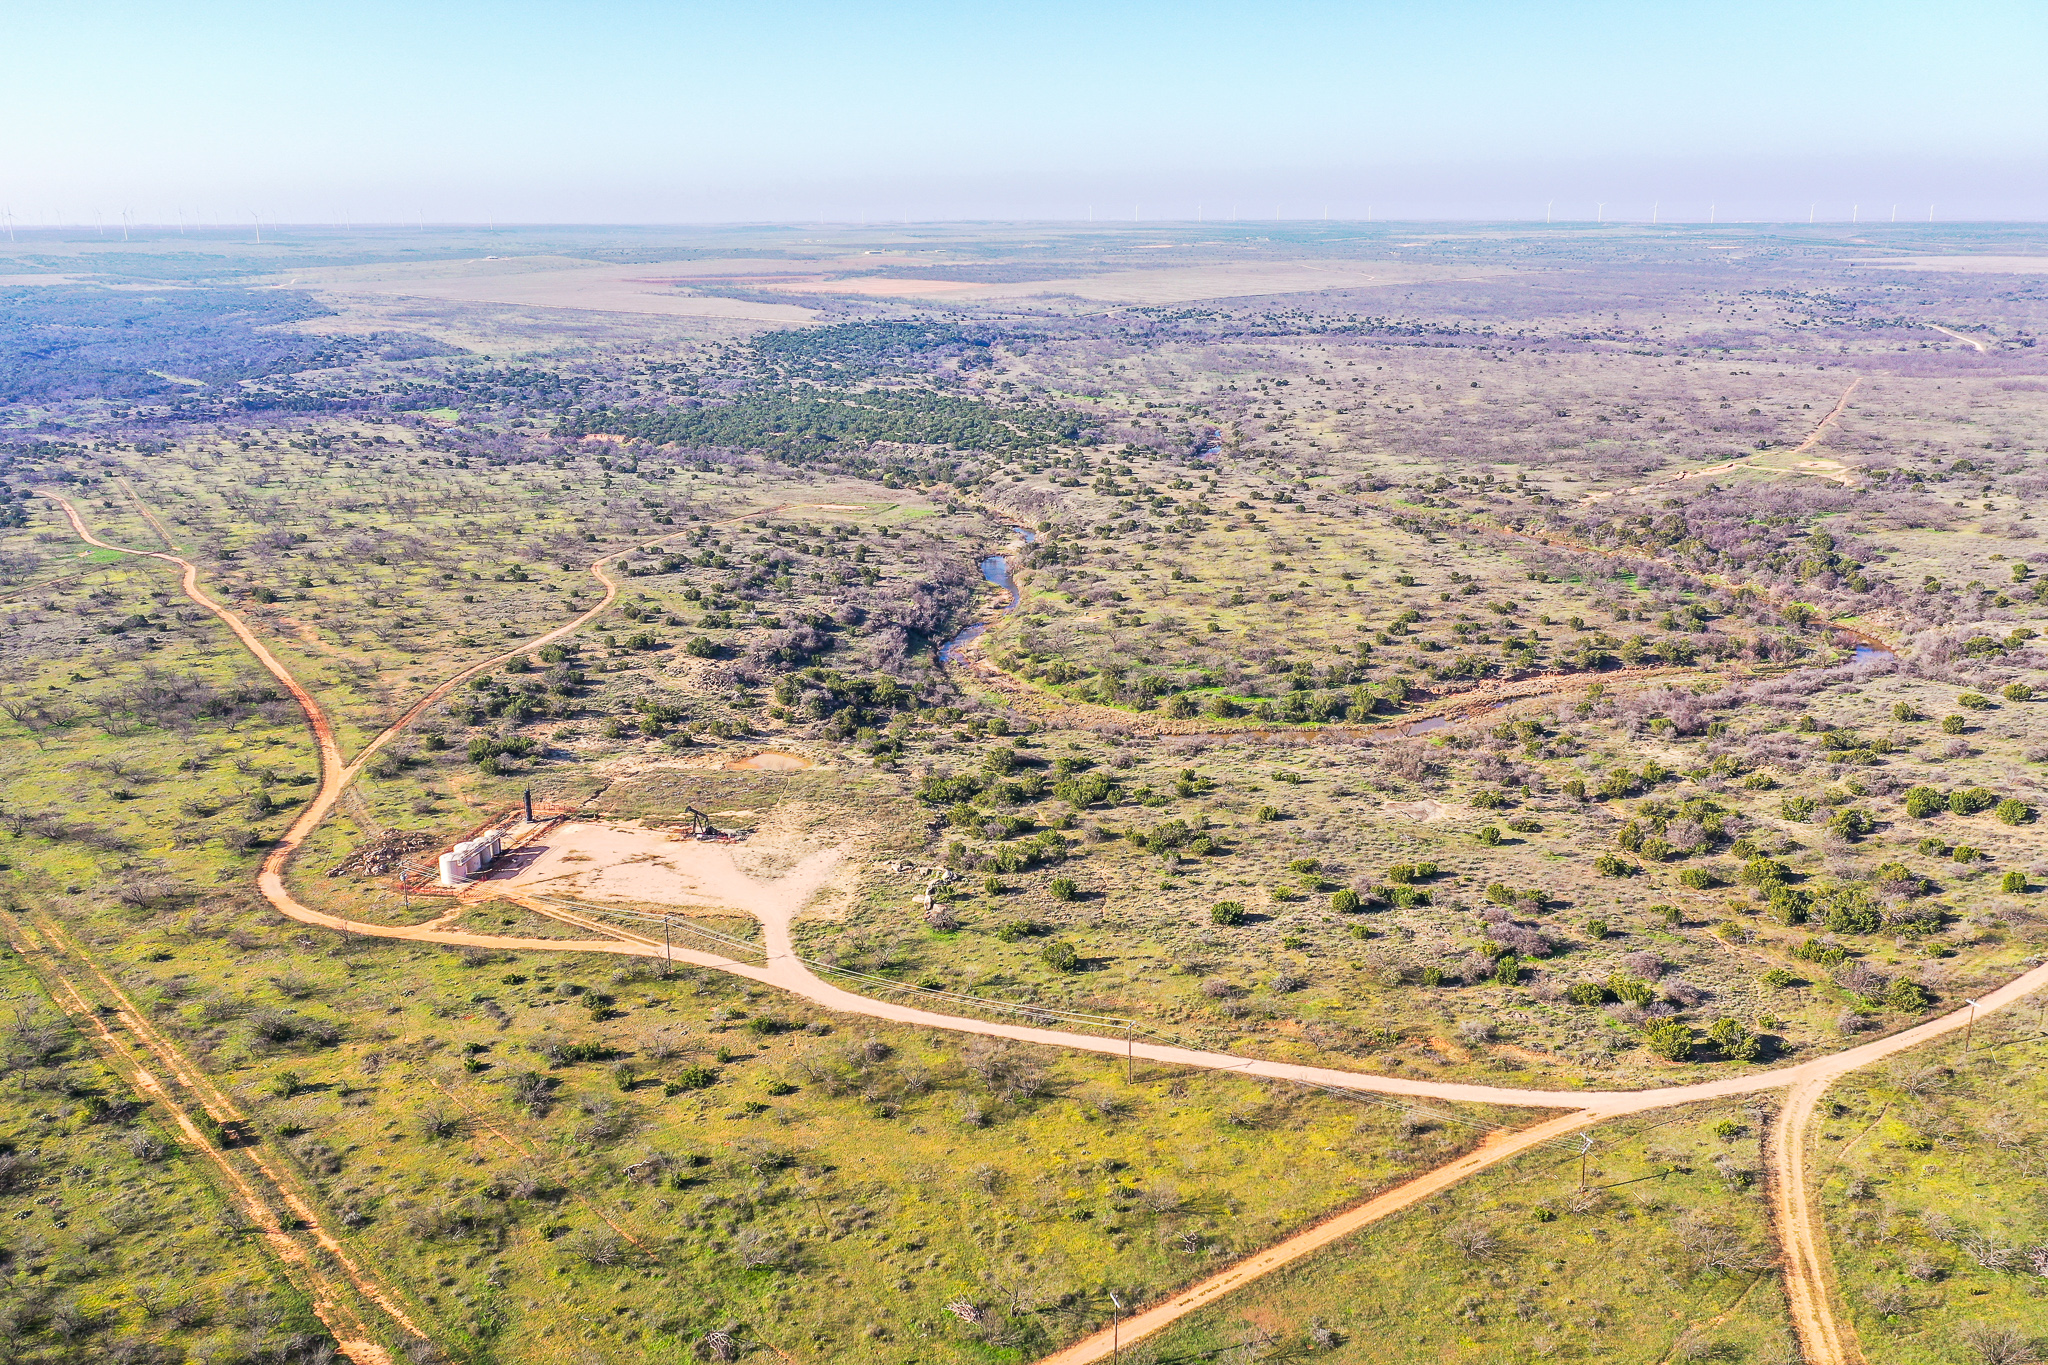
(1969, 1025)
(668, 966)
(1116, 1326)
(1130, 1054)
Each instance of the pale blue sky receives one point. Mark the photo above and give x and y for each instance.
(637, 111)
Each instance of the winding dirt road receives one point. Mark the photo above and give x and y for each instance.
(776, 904)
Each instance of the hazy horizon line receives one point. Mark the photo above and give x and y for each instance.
(175, 228)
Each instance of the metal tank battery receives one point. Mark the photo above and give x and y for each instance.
(459, 863)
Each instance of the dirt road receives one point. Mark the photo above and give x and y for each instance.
(257, 1193)
(1497, 1148)
(1820, 429)
(1813, 438)
(1802, 1239)
(777, 903)
(1966, 340)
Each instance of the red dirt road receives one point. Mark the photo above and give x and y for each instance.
(776, 904)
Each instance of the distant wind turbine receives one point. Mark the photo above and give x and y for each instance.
(1600, 214)
(1895, 213)
(1930, 213)
(1856, 213)
(1654, 206)
(1809, 213)
(1710, 212)
(1546, 209)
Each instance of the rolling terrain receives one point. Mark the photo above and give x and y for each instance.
(1434, 795)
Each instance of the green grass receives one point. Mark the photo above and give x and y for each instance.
(117, 1238)
(396, 554)
(876, 1174)
(1668, 1248)
(1929, 1173)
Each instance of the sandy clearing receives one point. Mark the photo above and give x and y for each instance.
(618, 862)
(1424, 812)
(1174, 284)
(658, 288)
(595, 291)
(1972, 265)
(771, 762)
(621, 861)
(893, 289)
(561, 282)
(661, 273)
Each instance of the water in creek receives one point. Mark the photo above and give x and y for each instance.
(995, 569)
(1862, 648)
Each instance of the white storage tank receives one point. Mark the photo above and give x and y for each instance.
(459, 863)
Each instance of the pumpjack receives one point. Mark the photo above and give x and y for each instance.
(702, 829)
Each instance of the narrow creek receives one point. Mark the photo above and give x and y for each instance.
(994, 569)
